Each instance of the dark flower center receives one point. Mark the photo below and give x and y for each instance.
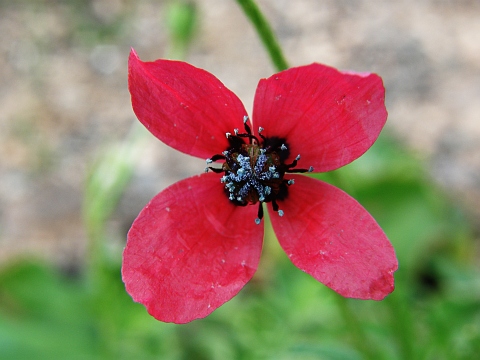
(254, 171)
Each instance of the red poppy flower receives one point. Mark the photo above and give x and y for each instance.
(198, 242)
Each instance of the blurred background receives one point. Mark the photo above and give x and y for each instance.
(76, 168)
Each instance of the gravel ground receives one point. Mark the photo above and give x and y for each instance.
(64, 99)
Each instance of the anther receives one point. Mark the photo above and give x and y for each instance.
(258, 221)
(235, 131)
(283, 147)
(245, 119)
(260, 129)
(298, 157)
(228, 134)
(280, 212)
(291, 182)
(209, 161)
(310, 169)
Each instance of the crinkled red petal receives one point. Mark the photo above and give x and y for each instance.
(190, 250)
(329, 235)
(328, 117)
(187, 108)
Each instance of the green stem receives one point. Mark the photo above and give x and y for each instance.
(402, 323)
(355, 329)
(265, 32)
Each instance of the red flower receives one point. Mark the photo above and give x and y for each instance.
(198, 242)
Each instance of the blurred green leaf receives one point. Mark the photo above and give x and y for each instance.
(42, 315)
(181, 22)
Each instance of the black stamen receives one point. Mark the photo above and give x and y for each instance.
(249, 136)
(247, 128)
(253, 171)
(235, 142)
(291, 165)
(297, 170)
(215, 170)
(217, 157)
(274, 205)
(260, 211)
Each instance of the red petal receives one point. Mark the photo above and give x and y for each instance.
(328, 117)
(187, 108)
(330, 236)
(190, 250)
